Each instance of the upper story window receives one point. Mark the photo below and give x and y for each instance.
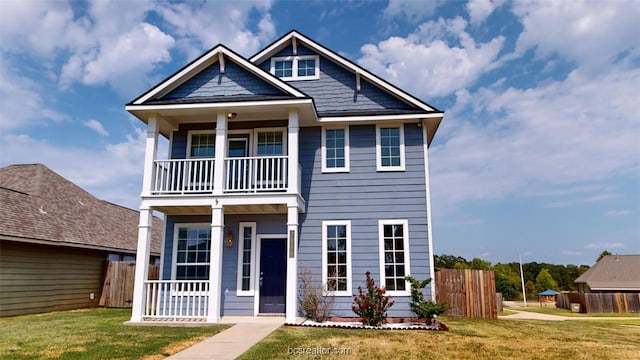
(335, 149)
(201, 144)
(305, 67)
(390, 148)
(270, 142)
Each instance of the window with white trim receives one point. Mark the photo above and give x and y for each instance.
(270, 142)
(336, 257)
(305, 67)
(246, 259)
(394, 255)
(201, 144)
(193, 250)
(390, 148)
(335, 149)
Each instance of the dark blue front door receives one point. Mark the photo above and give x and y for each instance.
(273, 275)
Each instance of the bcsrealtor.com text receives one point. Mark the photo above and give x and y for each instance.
(318, 350)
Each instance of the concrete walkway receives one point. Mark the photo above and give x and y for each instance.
(233, 342)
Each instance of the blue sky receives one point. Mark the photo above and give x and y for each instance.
(538, 153)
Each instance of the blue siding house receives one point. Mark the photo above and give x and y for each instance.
(294, 160)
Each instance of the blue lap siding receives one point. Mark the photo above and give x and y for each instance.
(363, 196)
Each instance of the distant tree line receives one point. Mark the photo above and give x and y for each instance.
(538, 276)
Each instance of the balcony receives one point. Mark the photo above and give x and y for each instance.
(242, 175)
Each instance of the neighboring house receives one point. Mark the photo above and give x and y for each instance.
(55, 239)
(613, 273)
(293, 159)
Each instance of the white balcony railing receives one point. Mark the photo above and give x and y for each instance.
(256, 174)
(176, 299)
(182, 176)
(241, 175)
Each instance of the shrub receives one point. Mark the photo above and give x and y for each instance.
(424, 309)
(371, 306)
(313, 299)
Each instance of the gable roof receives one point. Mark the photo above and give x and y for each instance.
(296, 36)
(426, 111)
(218, 54)
(613, 272)
(38, 205)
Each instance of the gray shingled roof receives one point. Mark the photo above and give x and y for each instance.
(613, 272)
(38, 204)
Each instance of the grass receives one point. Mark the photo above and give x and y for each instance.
(565, 312)
(467, 339)
(93, 334)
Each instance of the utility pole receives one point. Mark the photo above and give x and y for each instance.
(524, 293)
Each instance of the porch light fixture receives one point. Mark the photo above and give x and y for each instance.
(228, 239)
(231, 115)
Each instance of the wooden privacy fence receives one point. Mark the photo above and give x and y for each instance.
(600, 302)
(469, 293)
(117, 290)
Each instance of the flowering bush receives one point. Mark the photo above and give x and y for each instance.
(371, 306)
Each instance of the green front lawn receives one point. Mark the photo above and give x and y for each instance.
(93, 334)
(467, 339)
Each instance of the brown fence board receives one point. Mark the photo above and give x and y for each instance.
(117, 290)
(601, 302)
(469, 293)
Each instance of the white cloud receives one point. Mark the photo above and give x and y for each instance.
(412, 11)
(591, 33)
(192, 22)
(116, 177)
(96, 126)
(21, 104)
(573, 133)
(605, 245)
(479, 10)
(572, 253)
(618, 212)
(427, 66)
(123, 62)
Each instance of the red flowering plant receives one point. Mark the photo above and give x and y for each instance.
(371, 306)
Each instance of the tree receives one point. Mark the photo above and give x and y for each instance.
(530, 287)
(545, 281)
(479, 264)
(447, 261)
(507, 281)
(603, 254)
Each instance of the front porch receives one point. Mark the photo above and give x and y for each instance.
(220, 264)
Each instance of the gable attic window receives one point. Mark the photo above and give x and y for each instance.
(296, 67)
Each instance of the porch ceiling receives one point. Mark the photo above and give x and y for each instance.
(228, 209)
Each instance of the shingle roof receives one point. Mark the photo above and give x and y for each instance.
(38, 204)
(613, 272)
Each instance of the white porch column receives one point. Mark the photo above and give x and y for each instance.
(150, 154)
(292, 265)
(432, 272)
(292, 152)
(142, 264)
(221, 153)
(215, 263)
